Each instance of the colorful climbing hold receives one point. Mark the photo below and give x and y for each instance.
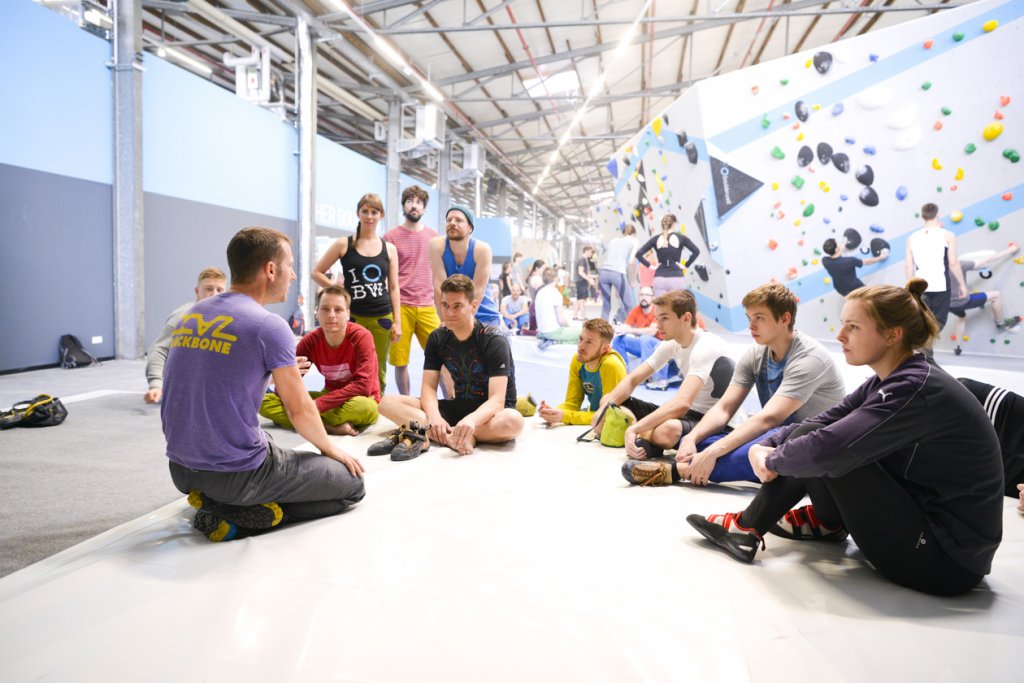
(1004, 100)
(775, 186)
(656, 126)
(873, 57)
(956, 216)
(946, 111)
(928, 44)
(1011, 154)
(850, 141)
(936, 165)
(992, 131)
(959, 174)
(837, 109)
(870, 150)
(990, 25)
(927, 85)
(809, 211)
(877, 228)
(797, 182)
(784, 81)
(822, 62)
(970, 148)
(1008, 196)
(993, 225)
(765, 121)
(998, 116)
(754, 90)
(979, 221)
(937, 125)
(773, 245)
(958, 36)
(901, 192)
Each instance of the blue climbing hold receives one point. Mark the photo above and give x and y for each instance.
(873, 58)
(877, 228)
(837, 109)
(843, 197)
(827, 220)
(901, 193)
(870, 150)
(613, 168)
(851, 141)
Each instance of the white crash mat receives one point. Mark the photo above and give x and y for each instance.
(531, 562)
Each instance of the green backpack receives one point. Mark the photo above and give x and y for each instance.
(613, 433)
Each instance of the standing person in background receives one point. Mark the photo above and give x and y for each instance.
(584, 278)
(369, 269)
(517, 270)
(211, 281)
(419, 317)
(668, 246)
(619, 273)
(931, 255)
(505, 280)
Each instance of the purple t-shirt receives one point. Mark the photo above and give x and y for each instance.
(217, 371)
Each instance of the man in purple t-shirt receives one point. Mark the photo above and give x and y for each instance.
(221, 360)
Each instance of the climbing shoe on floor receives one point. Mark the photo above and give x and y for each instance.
(650, 472)
(649, 448)
(802, 524)
(526, 405)
(262, 516)
(742, 546)
(385, 445)
(411, 442)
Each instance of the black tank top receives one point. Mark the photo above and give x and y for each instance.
(366, 279)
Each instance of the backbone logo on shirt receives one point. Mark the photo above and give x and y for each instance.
(366, 282)
(195, 332)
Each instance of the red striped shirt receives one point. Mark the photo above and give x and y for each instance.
(414, 277)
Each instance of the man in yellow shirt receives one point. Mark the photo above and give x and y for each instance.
(595, 368)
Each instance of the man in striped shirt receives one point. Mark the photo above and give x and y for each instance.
(415, 281)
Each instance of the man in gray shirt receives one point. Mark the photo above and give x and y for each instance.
(211, 281)
(795, 378)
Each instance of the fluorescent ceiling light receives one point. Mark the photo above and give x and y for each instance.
(189, 61)
(598, 196)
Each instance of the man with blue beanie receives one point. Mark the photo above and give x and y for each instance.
(457, 253)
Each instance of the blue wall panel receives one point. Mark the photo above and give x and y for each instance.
(58, 105)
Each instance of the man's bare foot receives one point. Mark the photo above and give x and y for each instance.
(344, 429)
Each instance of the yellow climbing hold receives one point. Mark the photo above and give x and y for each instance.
(956, 216)
(775, 186)
(959, 174)
(800, 136)
(989, 26)
(936, 165)
(992, 131)
(656, 126)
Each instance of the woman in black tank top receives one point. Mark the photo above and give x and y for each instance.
(369, 271)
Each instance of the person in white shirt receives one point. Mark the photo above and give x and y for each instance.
(552, 325)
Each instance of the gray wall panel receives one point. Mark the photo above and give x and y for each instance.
(58, 267)
(183, 237)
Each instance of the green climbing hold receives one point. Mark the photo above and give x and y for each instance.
(765, 122)
(958, 36)
(993, 225)
(938, 188)
(784, 81)
(927, 85)
(808, 210)
(805, 262)
(778, 153)
(797, 182)
(817, 252)
(946, 111)
(970, 148)
(979, 221)
(1011, 154)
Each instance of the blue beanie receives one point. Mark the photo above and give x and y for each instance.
(466, 212)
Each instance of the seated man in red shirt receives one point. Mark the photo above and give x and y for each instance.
(344, 354)
(639, 337)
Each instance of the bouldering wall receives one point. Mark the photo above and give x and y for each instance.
(763, 165)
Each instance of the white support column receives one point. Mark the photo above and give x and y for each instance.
(305, 101)
(393, 198)
(444, 197)
(128, 229)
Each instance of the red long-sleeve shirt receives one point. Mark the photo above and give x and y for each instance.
(349, 370)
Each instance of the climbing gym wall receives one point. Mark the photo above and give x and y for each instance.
(847, 142)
